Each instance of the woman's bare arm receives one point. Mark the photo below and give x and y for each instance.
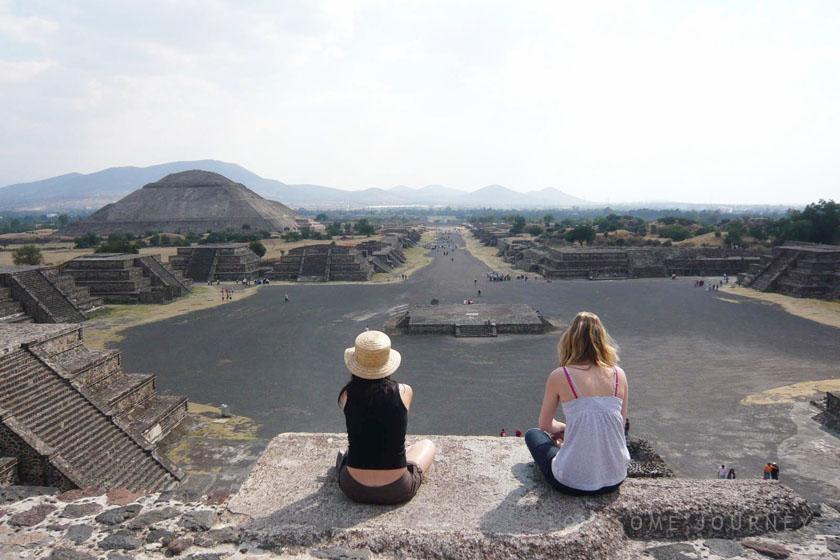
(625, 393)
(551, 399)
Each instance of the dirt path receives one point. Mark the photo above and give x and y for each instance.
(105, 329)
(416, 258)
(488, 255)
(823, 312)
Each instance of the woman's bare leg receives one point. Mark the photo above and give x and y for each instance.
(421, 453)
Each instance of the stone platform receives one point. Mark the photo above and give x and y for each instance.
(485, 499)
(474, 320)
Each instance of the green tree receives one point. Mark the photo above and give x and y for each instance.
(28, 254)
(534, 229)
(334, 229)
(257, 247)
(548, 219)
(675, 232)
(364, 227)
(735, 232)
(583, 233)
(322, 218)
(518, 224)
(87, 241)
(63, 220)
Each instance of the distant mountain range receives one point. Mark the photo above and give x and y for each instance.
(76, 191)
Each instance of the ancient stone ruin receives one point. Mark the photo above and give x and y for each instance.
(71, 418)
(477, 320)
(328, 262)
(322, 263)
(42, 294)
(799, 270)
(127, 278)
(189, 201)
(566, 262)
(225, 262)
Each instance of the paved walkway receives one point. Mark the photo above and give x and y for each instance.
(691, 356)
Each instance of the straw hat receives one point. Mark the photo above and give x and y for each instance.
(372, 356)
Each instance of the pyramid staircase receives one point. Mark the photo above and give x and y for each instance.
(73, 418)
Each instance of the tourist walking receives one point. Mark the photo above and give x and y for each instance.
(503, 433)
(377, 467)
(589, 454)
(774, 471)
(285, 298)
(722, 472)
(731, 474)
(767, 470)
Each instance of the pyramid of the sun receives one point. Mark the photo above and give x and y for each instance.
(197, 201)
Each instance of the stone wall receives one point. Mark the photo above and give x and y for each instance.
(798, 270)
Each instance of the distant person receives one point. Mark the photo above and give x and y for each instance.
(589, 455)
(378, 468)
(286, 298)
(774, 471)
(627, 429)
(518, 433)
(722, 471)
(503, 433)
(767, 470)
(731, 474)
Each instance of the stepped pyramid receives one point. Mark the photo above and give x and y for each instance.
(197, 201)
(72, 418)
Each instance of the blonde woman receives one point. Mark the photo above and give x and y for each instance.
(378, 468)
(588, 454)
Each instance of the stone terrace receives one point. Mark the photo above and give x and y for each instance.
(73, 418)
(43, 295)
(485, 499)
(799, 270)
(127, 278)
(225, 262)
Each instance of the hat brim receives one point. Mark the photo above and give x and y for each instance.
(378, 372)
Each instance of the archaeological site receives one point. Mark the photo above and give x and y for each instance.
(353, 280)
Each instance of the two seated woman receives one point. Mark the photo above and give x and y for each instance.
(587, 455)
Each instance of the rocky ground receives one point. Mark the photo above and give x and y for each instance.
(40, 523)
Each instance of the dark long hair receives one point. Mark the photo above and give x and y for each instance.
(368, 390)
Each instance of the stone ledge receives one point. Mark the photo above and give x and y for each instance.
(485, 499)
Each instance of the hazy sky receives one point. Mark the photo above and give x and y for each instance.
(731, 101)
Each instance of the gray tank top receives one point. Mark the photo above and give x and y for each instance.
(594, 452)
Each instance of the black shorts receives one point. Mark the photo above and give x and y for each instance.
(397, 492)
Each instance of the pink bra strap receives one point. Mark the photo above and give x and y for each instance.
(571, 383)
(616, 381)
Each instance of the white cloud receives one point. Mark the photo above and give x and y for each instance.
(28, 29)
(20, 71)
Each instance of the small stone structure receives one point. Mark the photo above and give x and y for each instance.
(225, 262)
(42, 294)
(73, 419)
(485, 499)
(322, 263)
(477, 320)
(829, 415)
(566, 262)
(127, 278)
(798, 269)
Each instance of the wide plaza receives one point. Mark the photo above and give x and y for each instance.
(692, 356)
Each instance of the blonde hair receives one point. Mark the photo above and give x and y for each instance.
(586, 341)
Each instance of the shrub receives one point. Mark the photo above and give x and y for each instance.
(257, 247)
(28, 254)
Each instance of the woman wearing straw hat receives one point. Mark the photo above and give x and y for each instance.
(589, 454)
(378, 468)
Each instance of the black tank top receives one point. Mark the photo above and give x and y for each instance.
(375, 427)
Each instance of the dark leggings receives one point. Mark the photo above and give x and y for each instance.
(543, 450)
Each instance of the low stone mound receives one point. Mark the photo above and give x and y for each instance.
(485, 499)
